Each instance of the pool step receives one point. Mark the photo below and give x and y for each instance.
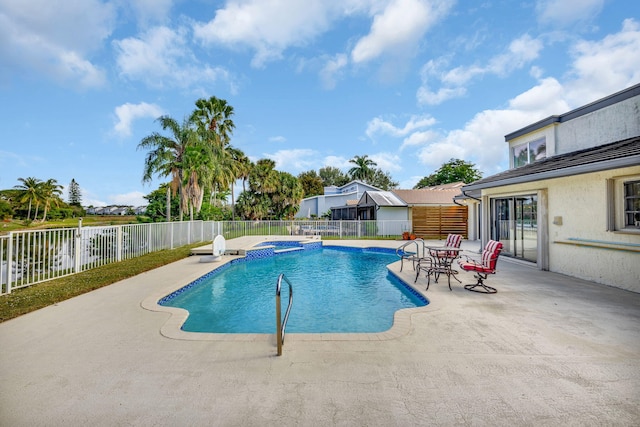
(281, 251)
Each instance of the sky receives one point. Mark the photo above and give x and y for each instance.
(313, 83)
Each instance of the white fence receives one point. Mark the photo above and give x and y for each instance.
(28, 257)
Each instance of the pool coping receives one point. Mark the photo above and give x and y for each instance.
(172, 327)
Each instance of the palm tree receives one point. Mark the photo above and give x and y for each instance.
(286, 200)
(241, 167)
(213, 118)
(362, 169)
(28, 191)
(263, 179)
(51, 191)
(214, 114)
(167, 155)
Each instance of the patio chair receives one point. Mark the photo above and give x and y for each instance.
(453, 241)
(485, 266)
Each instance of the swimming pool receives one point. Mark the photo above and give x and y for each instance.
(335, 289)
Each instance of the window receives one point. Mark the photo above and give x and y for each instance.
(529, 152)
(623, 206)
(632, 204)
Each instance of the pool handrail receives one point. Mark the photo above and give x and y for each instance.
(280, 324)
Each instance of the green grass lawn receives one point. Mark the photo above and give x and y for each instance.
(87, 221)
(25, 300)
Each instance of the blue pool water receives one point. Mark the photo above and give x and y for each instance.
(334, 290)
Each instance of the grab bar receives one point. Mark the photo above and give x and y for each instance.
(280, 324)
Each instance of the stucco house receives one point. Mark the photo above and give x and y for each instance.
(570, 199)
(333, 196)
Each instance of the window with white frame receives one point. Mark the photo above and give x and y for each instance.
(529, 152)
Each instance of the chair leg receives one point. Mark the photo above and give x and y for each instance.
(485, 289)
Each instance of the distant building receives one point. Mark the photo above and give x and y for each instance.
(333, 196)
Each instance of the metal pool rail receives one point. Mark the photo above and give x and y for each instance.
(280, 324)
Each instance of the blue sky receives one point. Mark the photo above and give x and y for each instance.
(410, 83)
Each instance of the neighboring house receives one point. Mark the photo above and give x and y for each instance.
(373, 205)
(115, 210)
(429, 213)
(571, 200)
(333, 196)
(433, 212)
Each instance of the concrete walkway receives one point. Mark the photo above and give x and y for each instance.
(545, 350)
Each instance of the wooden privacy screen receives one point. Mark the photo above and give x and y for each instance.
(436, 222)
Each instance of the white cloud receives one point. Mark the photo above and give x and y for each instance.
(336, 162)
(133, 198)
(482, 138)
(127, 113)
(380, 126)
(388, 162)
(563, 13)
(419, 138)
(267, 26)
(55, 38)
(294, 161)
(399, 27)
(332, 70)
(605, 66)
(150, 11)
(519, 53)
(599, 69)
(161, 57)
(277, 139)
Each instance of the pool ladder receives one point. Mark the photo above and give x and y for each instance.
(281, 325)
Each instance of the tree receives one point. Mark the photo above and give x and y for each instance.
(241, 168)
(285, 201)
(50, 191)
(455, 170)
(331, 175)
(382, 180)
(157, 204)
(166, 155)
(75, 195)
(6, 211)
(263, 179)
(213, 120)
(312, 184)
(363, 168)
(29, 191)
(214, 114)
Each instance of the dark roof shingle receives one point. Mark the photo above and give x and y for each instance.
(604, 157)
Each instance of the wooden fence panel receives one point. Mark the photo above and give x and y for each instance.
(436, 222)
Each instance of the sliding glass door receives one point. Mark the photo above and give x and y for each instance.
(514, 222)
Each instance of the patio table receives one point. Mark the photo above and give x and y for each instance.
(440, 261)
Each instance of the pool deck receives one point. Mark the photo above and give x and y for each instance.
(546, 350)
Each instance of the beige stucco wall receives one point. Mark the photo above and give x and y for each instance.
(581, 201)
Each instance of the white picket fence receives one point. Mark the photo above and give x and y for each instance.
(28, 257)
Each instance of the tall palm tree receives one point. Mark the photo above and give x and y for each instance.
(167, 155)
(214, 114)
(51, 192)
(362, 169)
(287, 198)
(263, 179)
(28, 191)
(213, 118)
(240, 167)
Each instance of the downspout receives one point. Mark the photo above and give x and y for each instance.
(479, 214)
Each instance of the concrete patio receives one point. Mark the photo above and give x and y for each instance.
(545, 350)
